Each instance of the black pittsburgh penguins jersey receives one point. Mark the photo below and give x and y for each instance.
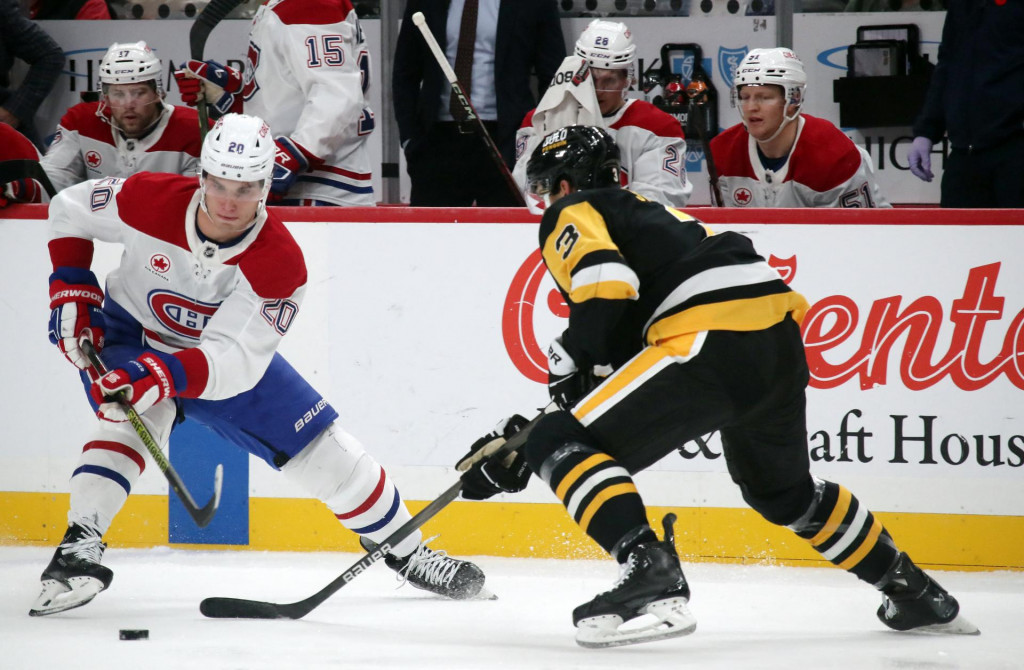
(635, 272)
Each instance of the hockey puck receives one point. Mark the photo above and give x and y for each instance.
(134, 634)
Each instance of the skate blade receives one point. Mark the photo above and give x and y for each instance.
(958, 626)
(60, 597)
(484, 594)
(673, 620)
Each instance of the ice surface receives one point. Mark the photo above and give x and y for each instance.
(748, 617)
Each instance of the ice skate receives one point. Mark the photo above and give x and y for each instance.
(651, 583)
(437, 572)
(74, 575)
(913, 601)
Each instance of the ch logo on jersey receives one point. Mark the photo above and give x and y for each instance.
(180, 315)
(93, 159)
(742, 197)
(252, 61)
(728, 61)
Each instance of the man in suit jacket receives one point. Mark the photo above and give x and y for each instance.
(448, 164)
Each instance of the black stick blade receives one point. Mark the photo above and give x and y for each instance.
(237, 608)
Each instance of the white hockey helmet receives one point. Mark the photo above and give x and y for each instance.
(779, 66)
(239, 147)
(608, 45)
(131, 63)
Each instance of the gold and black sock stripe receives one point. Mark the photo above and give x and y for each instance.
(846, 533)
(598, 493)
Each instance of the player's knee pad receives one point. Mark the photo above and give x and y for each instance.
(336, 469)
(110, 464)
(333, 464)
(786, 506)
(551, 433)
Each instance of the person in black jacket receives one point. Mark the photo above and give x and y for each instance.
(22, 39)
(976, 97)
(448, 163)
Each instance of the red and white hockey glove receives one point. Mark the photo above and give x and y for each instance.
(75, 301)
(290, 160)
(212, 82)
(20, 190)
(146, 381)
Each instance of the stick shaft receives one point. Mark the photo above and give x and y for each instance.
(467, 106)
(238, 608)
(201, 515)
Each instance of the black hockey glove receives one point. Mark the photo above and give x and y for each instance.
(483, 476)
(567, 383)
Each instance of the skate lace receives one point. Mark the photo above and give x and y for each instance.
(625, 571)
(88, 548)
(433, 567)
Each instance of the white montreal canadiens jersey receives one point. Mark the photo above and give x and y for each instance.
(86, 146)
(222, 310)
(307, 75)
(824, 169)
(652, 151)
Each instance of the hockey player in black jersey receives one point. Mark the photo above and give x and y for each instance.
(675, 332)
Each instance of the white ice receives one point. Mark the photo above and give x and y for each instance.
(748, 617)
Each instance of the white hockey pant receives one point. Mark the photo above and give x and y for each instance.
(112, 460)
(336, 469)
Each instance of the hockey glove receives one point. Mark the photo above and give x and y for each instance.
(290, 160)
(20, 190)
(483, 475)
(75, 301)
(212, 82)
(566, 383)
(920, 158)
(145, 382)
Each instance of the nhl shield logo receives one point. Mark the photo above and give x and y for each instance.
(729, 60)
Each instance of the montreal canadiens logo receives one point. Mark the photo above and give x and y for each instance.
(160, 263)
(535, 312)
(180, 315)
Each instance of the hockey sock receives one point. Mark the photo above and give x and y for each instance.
(845, 532)
(109, 466)
(599, 495)
(335, 469)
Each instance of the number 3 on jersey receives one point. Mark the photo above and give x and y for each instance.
(567, 240)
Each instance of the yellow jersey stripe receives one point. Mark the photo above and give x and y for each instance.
(744, 314)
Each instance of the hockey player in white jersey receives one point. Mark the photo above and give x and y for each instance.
(131, 129)
(778, 157)
(190, 322)
(307, 73)
(651, 142)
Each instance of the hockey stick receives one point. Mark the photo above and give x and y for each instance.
(24, 168)
(204, 24)
(696, 91)
(201, 515)
(236, 608)
(467, 107)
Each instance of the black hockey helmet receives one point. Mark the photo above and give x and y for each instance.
(585, 156)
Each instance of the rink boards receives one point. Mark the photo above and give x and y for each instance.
(424, 327)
